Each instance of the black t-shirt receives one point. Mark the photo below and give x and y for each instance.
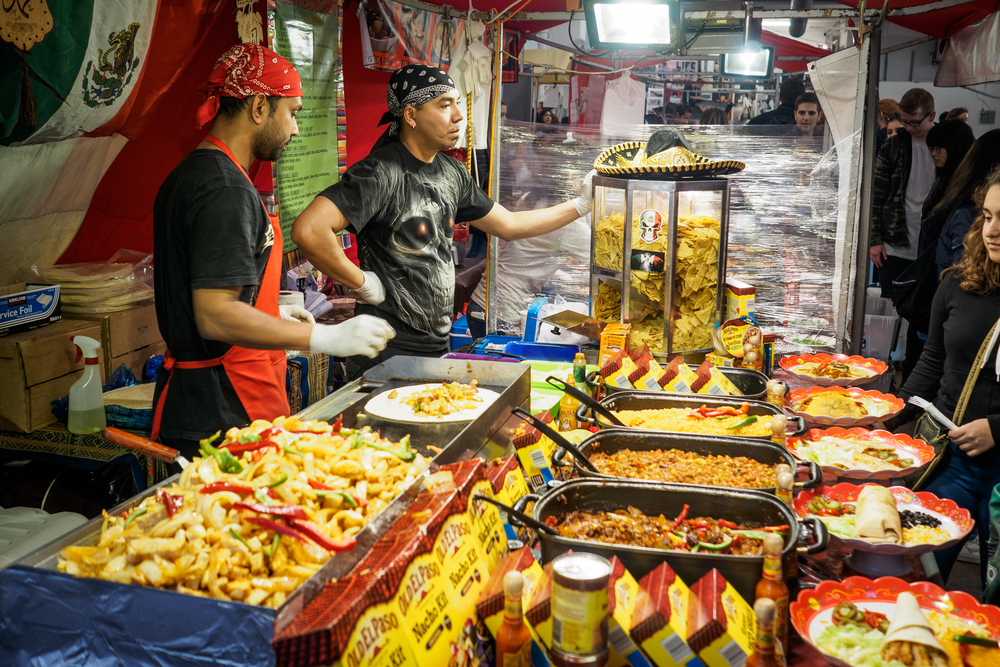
(404, 211)
(209, 230)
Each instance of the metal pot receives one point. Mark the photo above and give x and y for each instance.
(651, 400)
(753, 384)
(594, 495)
(613, 440)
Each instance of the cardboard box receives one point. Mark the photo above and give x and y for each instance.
(24, 306)
(659, 619)
(722, 362)
(36, 368)
(136, 359)
(739, 300)
(614, 338)
(721, 625)
(125, 332)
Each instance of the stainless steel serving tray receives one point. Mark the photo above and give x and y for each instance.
(489, 436)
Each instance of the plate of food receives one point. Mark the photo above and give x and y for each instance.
(434, 403)
(857, 453)
(812, 340)
(837, 370)
(893, 520)
(843, 406)
(860, 622)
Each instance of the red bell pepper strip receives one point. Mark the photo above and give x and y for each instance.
(287, 511)
(215, 487)
(170, 502)
(680, 517)
(317, 535)
(320, 486)
(728, 524)
(237, 448)
(775, 529)
(274, 526)
(338, 424)
(313, 432)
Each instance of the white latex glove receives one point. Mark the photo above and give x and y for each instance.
(364, 335)
(293, 313)
(584, 202)
(371, 291)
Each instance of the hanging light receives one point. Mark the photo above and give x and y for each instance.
(632, 25)
(749, 65)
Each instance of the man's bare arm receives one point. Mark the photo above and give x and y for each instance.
(315, 231)
(220, 315)
(526, 224)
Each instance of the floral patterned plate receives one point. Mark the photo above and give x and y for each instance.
(905, 446)
(879, 406)
(954, 519)
(807, 366)
(812, 612)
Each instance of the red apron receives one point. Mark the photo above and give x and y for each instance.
(258, 376)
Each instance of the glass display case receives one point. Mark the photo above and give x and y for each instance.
(671, 259)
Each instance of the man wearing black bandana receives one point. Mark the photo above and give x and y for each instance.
(403, 202)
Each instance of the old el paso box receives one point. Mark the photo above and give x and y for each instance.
(659, 619)
(24, 306)
(721, 625)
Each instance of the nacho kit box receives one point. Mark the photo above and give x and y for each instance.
(623, 592)
(659, 620)
(615, 338)
(535, 459)
(509, 486)
(739, 300)
(721, 627)
(412, 597)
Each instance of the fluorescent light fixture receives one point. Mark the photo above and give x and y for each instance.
(632, 25)
(777, 23)
(749, 65)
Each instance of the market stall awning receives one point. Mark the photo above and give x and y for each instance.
(792, 48)
(940, 23)
(972, 55)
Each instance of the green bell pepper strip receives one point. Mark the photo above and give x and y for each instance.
(289, 450)
(404, 453)
(746, 422)
(232, 531)
(278, 482)
(707, 546)
(249, 437)
(263, 495)
(227, 462)
(752, 534)
(273, 549)
(135, 514)
(978, 641)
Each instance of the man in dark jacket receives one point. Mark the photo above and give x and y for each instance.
(785, 113)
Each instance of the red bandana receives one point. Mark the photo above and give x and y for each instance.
(244, 70)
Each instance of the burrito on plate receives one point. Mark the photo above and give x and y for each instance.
(910, 638)
(876, 518)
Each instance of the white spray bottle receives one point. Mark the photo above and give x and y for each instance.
(86, 398)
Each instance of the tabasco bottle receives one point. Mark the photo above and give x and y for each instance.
(513, 638)
(764, 647)
(772, 587)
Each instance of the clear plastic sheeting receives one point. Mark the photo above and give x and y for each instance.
(783, 225)
(124, 281)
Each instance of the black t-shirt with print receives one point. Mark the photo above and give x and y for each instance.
(404, 211)
(209, 230)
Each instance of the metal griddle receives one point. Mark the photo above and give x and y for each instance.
(489, 436)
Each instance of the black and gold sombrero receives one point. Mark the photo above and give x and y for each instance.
(665, 155)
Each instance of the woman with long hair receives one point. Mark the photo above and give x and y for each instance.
(956, 205)
(713, 116)
(965, 307)
(948, 143)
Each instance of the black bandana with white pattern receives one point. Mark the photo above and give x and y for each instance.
(411, 86)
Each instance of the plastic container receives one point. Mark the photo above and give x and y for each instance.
(86, 397)
(459, 334)
(542, 351)
(27, 529)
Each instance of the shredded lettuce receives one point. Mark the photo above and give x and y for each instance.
(854, 645)
(842, 526)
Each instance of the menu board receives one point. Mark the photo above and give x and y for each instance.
(309, 38)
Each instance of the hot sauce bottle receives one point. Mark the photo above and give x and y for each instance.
(764, 647)
(513, 637)
(772, 587)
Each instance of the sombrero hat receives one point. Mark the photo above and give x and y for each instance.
(665, 155)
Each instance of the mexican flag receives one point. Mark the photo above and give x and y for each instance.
(82, 71)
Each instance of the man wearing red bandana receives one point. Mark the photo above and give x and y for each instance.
(218, 256)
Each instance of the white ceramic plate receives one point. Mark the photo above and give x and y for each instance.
(395, 409)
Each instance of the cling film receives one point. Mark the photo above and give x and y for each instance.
(378, 640)
(486, 525)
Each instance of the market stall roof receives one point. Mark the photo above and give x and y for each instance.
(792, 48)
(939, 23)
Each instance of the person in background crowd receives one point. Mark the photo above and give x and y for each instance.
(948, 142)
(966, 306)
(893, 127)
(888, 109)
(785, 113)
(218, 258)
(903, 176)
(536, 117)
(682, 115)
(807, 114)
(503, 113)
(958, 113)
(957, 206)
(548, 118)
(402, 202)
(714, 116)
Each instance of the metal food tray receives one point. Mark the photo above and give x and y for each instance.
(489, 435)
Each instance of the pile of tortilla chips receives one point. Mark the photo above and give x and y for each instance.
(694, 291)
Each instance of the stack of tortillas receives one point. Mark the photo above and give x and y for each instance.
(876, 518)
(910, 637)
